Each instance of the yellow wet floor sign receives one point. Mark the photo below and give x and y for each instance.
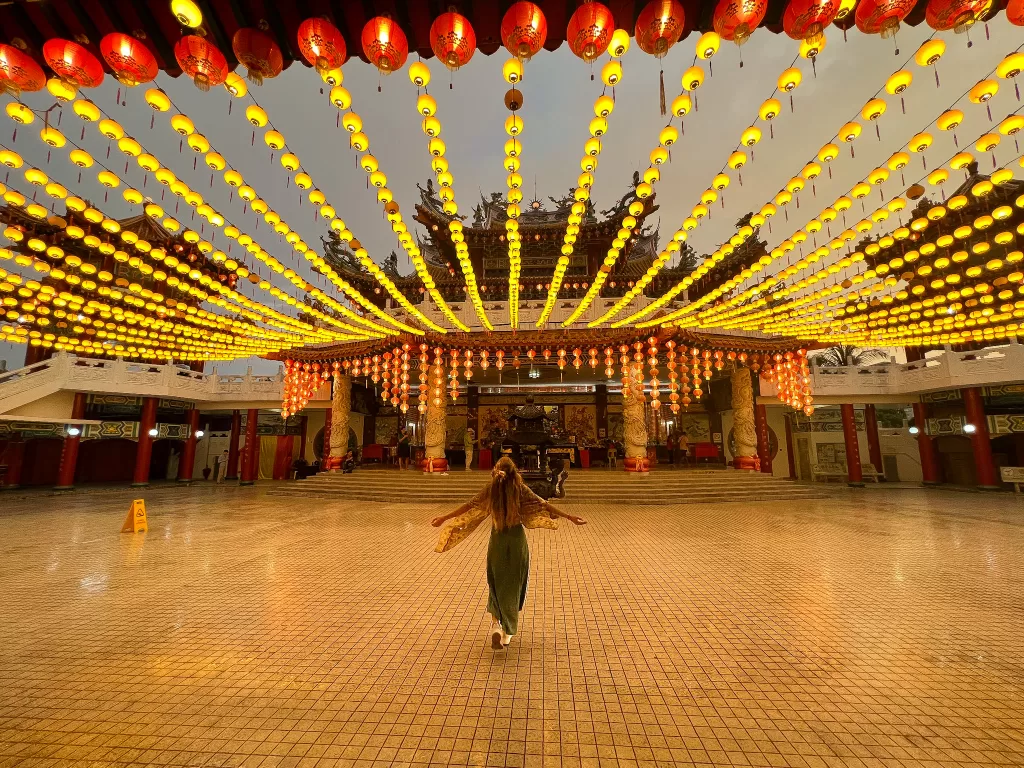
(136, 520)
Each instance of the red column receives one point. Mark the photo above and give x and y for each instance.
(764, 447)
(853, 470)
(304, 422)
(251, 452)
(930, 473)
(144, 451)
(236, 431)
(69, 453)
(980, 444)
(188, 454)
(871, 428)
(15, 460)
(283, 457)
(790, 453)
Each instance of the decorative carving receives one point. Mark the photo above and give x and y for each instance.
(743, 420)
(634, 428)
(435, 437)
(341, 405)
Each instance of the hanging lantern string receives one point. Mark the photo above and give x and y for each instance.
(689, 308)
(300, 304)
(710, 317)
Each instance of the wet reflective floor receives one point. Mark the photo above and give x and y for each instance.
(873, 628)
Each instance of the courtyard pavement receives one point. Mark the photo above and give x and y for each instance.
(871, 628)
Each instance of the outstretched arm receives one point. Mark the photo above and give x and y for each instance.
(556, 512)
(442, 519)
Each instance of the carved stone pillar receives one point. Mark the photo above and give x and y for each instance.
(435, 437)
(634, 430)
(341, 406)
(743, 432)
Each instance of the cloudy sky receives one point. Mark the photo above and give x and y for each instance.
(558, 106)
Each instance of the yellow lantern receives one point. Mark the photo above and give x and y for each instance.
(681, 105)
(512, 71)
(604, 106)
(13, 159)
(983, 91)
(256, 115)
(333, 77)
(920, 142)
(233, 178)
(340, 97)
(693, 78)
(750, 136)
(419, 74)
(849, 132)
(708, 45)
(158, 100)
(828, 153)
(290, 161)
(790, 79)
(737, 160)
(949, 120)
(199, 143)
(873, 110)
(52, 137)
(619, 43)
(929, 52)
(513, 125)
(274, 140)
(235, 84)
(108, 179)
(769, 110)
(111, 129)
(611, 73)
(182, 124)
(216, 161)
(61, 89)
(86, 110)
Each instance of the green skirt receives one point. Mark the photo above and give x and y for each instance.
(508, 571)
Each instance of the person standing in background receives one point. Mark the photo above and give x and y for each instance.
(404, 449)
(468, 441)
(222, 467)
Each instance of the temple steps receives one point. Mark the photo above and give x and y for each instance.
(593, 486)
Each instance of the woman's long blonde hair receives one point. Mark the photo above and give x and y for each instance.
(505, 494)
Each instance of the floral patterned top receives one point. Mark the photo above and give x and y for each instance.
(532, 514)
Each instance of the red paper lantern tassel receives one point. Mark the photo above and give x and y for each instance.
(878, 133)
(151, 119)
(230, 102)
(661, 87)
(791, 102)
(82, 137)
(903, 106)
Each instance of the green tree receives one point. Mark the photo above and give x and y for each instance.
(841, 354)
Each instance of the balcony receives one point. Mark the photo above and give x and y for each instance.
(904, 382)
(209, 391)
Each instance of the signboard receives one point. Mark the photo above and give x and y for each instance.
(1013, 475)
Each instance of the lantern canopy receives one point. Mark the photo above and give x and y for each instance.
(659, 26)
(882, 17)
(202, 61)
(806, 19)
(452, 39)
(958, 15)
(524, 29)
(73, 63)
(128, 58)
(322, 45)
(736, 20)
(19, 72)
(258, 53)
(384, 44)
(590, 30)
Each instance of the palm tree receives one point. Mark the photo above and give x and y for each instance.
(842, 354)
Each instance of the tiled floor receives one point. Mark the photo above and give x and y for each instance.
(871, 629)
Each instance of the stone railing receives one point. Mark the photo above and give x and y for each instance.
(949, 370)
(79, 374)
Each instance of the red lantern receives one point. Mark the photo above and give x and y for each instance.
(258, 53)
(384, 44)
(128, 58)
(806, 19)
(882, 17)
(72, 63)
(19, 72)
(1015, 12)
(322, 44)
(736, 20)
(590, 30)
(524, 29)
(452, 39)
(958, 15)
(659, 26)
(201, 61)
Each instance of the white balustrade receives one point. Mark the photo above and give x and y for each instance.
(80, 374)
(987, 367)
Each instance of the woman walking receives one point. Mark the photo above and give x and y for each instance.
(512, 506)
